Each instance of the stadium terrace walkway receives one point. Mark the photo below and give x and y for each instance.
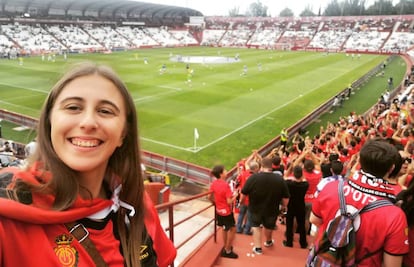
(203, 251)
(277, 255)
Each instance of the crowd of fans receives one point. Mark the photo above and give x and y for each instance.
(334, 154)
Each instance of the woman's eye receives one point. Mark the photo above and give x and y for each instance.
(72, 107)
(106, 111)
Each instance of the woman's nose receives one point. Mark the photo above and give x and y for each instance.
(89, 120)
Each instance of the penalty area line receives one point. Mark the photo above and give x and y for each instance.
(189, 149)
(263, 115)
(170, 87)
(172, 90)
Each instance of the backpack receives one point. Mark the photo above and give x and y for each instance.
(337, 245)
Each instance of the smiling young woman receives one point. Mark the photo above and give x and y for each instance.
(84, 176)
(88, 123)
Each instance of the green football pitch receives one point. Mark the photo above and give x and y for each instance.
(233, 112)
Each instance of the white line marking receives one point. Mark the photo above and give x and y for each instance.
(170, 87)
(19, 106)
(24, 88)
(259, 118)
(150, 97)
(168, 145)
(235, 130)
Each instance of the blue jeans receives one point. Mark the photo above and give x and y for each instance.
(243, 212)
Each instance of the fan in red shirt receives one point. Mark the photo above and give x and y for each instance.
(313, 176)
(223, 198)
(386, 225)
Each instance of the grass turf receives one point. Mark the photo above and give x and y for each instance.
(233, 114)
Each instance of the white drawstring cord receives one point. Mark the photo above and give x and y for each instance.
(115, 206)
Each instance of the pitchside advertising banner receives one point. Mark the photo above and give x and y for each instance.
(196, 20)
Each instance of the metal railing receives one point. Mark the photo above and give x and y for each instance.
(172, 225)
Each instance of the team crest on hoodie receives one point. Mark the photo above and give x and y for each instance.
(66, 253)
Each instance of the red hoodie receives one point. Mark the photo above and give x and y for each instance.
(35, 235)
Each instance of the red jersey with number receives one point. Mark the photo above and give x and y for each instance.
(383, 229)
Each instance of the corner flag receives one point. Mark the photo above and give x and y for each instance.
(196, 135)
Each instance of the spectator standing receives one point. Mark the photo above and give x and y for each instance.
(30, 148)
(336, 168)
(349, 91)
(297, 186)
(266, 191)
(222, 197)
(284, 136)
(313, 176)
(326, 164)
(244, 214)
(336, 103)
(386, 225)
(277, 165)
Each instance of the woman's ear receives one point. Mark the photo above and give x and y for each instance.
(121, 139)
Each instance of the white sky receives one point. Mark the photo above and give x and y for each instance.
(222, 7)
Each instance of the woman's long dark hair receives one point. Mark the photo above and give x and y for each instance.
(124, 164)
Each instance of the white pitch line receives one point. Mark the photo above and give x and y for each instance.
(24, 88)
(167, 144)
(140, 99)
(19, 106)
(258, 118)
(247, 124)
(170, 87)
(199, 148)
(17, 98)
(175, 89)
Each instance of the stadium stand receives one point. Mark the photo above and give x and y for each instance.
(136, 36)
(264, 37)
(331, 40)
(40, 26)
(212, 37)
(184, 37)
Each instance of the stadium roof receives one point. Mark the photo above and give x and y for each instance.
(108, 9)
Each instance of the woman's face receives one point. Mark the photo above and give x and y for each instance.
(87, 124)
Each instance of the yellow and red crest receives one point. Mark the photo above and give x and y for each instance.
(67, 255)
(143, 254)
